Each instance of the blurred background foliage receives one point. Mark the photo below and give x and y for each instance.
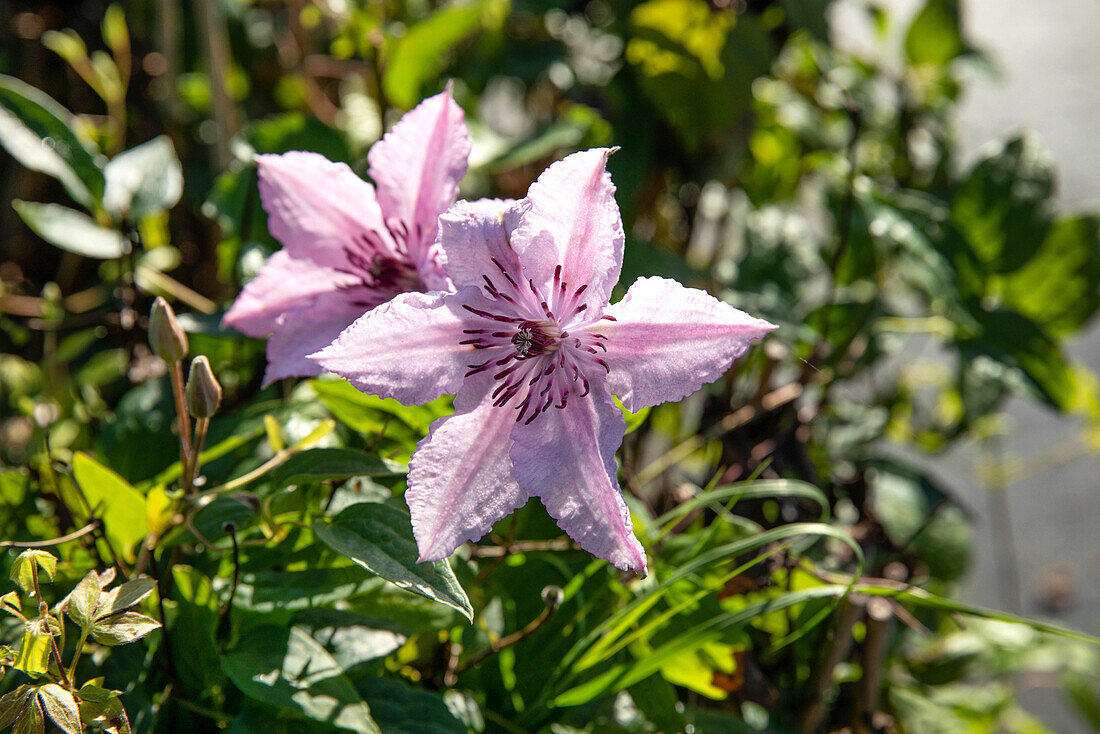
(815, 188)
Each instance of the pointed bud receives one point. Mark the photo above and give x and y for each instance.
(204, 394)
(166, 336)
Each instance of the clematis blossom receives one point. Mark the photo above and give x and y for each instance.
(347, 245)
(534, 352)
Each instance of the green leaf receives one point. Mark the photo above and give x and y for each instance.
(84, 599)
(144, 180)
(61, 706)
(368, 413)
(418, 57)
(400, 709)
(578, 127)
(288, 669)
(12, 703)
(71, 230)
(1003, 208)
(122, 628)
(1019, 344)
(1059, 287)
(192, 629)
(316, 465)
(904, 501)
(37, 132)
(22, 570)
(379, 538)
(125, 596)
(33, 656)
(1081, 692)
(113, 500)
(696, 65)
(31, 720)
(935, 35)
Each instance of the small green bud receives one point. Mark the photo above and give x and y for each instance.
(166, 336)
(204, 394)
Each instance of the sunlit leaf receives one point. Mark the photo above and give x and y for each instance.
(288, 669)
(71, 230)
(418, 57)
(143, 180)
(113, 500)
(379, 538)
(38, 133)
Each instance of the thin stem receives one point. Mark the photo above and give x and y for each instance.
(181, 411)
(79, 649)
(191, 466)
(223, 624)
(89, 528)
(505, 642)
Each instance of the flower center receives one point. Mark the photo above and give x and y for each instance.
(382, 269)
(535, 361)
(536, 337)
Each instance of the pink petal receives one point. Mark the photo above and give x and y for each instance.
(460, 477)
(572, 220)
(283, 285)
(316, 207)
(408, 348)
(418, 164)
(472, 234)
(668, 341)
(305, 330)
(567, 458)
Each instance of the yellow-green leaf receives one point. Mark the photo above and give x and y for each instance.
(113, 500)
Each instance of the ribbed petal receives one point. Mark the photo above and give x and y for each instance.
(303, 331)
(460, 477)
(567, 458)
(407, 349)
(667, 341)
(317, 208)
(571, 219)
(473, 234)
(417, 167)
(284, 284)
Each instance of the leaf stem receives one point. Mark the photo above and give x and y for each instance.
(181, 411)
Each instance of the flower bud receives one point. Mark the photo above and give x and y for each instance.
(204, 394)
(166, 336)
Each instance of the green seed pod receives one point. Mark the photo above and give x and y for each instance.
(166, 336)
(204, 394)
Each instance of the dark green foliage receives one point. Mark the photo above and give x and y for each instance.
(757, 160)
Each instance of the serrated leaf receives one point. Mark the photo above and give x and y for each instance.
(144, 180)
(316, 465)
(123, 628)
(290, 670)
(379, 538)
(61, 706)
(12, 703)
(71, 230)
(23, 569)
(113, 500)
(125, 596)
(37, 132)
(84, 599)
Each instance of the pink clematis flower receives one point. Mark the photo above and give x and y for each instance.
(534, 352)
(347, 246)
